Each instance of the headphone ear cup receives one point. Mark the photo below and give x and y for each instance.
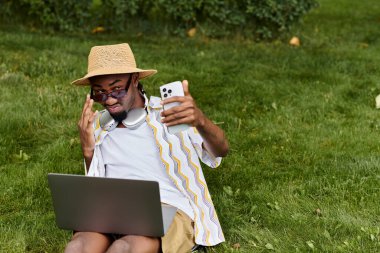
(135, 118)
(107, 122)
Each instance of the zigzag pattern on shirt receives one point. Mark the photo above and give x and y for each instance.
(167, 166)
(202, 185)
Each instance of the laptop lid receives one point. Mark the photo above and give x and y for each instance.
(109, 205)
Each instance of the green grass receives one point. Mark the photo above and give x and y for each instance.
(303, 171)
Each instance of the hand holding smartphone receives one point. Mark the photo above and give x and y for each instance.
(172, 90)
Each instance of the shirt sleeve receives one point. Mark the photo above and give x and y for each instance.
(97, 168)
(205, 156)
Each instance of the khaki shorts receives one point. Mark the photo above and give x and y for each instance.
(180, 236)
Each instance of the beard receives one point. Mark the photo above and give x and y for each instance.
(120, 116)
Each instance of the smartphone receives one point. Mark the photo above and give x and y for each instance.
(172, 90)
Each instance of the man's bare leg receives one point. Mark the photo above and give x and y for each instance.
(135, 244)
(88, 242)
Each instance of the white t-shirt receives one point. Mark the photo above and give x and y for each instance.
(133, 154)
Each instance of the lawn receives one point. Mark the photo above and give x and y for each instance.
(303, 170)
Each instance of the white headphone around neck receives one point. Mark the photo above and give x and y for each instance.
(134, 119)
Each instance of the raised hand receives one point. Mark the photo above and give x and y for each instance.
(86, 130)
(189, 113)
(186, 113)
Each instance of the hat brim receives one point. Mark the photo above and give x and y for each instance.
(109, 71)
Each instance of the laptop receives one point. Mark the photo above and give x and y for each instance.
(109, 205)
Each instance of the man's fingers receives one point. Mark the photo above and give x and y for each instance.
(88, 121)
(185, 120)
(85, 104)
(176, 116)
(174, 99)
(185, 85)
(176, 109)
(87, 112)
(91, 119)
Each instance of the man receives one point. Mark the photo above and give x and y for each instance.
(112, 147)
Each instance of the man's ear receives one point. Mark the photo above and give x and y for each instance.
(135, 78)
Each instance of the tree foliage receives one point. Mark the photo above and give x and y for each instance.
(253, 18)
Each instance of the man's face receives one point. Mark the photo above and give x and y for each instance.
(116, 93)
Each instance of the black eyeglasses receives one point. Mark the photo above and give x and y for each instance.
(117, 94)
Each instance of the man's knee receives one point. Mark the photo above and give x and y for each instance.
(87, 242)
(75, 245)
(120, 245)
(135, 244)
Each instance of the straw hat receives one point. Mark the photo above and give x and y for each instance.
(112, 59)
